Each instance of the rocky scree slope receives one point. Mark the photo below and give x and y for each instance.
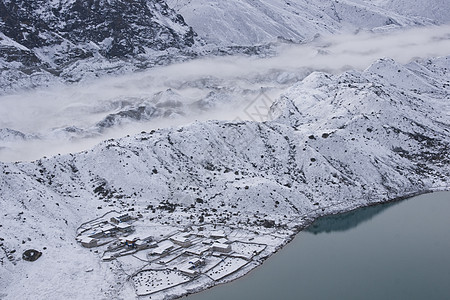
(337, 142)
(52, 38)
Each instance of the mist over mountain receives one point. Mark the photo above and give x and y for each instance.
(252, 117)
(337, 142)
(72, 118)
(46, 42)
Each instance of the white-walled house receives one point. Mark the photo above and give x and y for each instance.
(223, 248)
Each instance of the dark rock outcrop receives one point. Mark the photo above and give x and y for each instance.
(45, 36)
(31, 255)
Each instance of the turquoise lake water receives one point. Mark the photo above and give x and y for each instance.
(399, 250)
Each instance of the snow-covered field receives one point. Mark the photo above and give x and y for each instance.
(226, 267)
(150, 281)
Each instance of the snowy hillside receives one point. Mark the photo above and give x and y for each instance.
(336, 142)
(71, 39)
(433, 9)
(332, 140)
(73, 118)
(259, 22)
(43, 43)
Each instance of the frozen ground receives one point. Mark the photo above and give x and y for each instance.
(148, 282)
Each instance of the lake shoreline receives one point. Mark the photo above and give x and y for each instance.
(247, 270)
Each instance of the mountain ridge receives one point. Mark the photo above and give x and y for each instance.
(261, 22)
(48, 38)
(72, 41)
(336, 142)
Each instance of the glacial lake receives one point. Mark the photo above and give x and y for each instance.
(399, 250)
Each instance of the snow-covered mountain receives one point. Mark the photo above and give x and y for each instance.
(76, 117)
(45, 42)
(336, 142)
(433, 9)
(252, 22)
(52, 38)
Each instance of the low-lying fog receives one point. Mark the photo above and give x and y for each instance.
(72, 118)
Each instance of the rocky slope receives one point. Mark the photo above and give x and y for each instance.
(336, 142)
(52, 38)
(46, 42)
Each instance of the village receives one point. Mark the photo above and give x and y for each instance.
(160, 257)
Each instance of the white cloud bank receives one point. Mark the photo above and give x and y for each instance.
(236, 80)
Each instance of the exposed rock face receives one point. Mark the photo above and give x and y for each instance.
(48, 36)
(116, 28)
(45, 42)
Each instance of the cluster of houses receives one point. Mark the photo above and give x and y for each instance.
(99, 232)
(191, 267)
(216, 242)
(117, 231)
(194, 247)
(189, 252)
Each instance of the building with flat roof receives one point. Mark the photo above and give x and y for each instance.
(223, 241)
(129, 241)
(88, 242)
(219, 234)
(124, 227)
(120, 219)
(163, 248)
(191, 267)
(141, 244)
(181, 241)
(197, 262)
(108, 257)
(222, 248)
(199, 251)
